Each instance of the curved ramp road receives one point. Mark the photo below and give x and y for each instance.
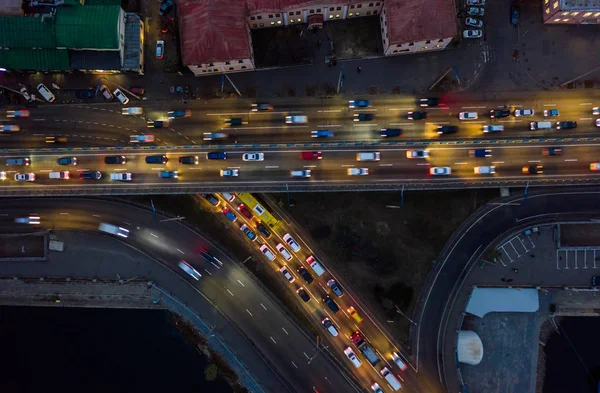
(225, 284)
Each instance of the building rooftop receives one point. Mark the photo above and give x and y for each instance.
(35, 60)
(10, 7)
(132, 60)
(88, 27)
(584, 5)
(213, 30)
(26, 32)
(259, 6)
(418, 20)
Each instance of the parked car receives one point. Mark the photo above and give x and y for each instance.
(263, 229)
(248, 232)
(121, 97)
(245, 212)
(476, 2)
(166, 7)
(106, 93)
(303, 294)
(211, 199)
(137, 90)
(229, 214)
(472, 34)
(473, 22)
(26, 94)
(286, 273)
(475, 11)
(46, 93)
(335, 287)
(160, 49)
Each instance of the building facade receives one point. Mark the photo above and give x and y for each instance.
(571, 12)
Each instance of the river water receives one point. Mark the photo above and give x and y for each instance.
(49, 349)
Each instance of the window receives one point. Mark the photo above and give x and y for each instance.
(370, 4)
(358, 14)
(428, 42)
(297, 12)
(227, 63)
(375, 12)
(574, 14)
(230, 68)
(252, 18)
(411, 44)
(395, 51)
(243, 67)
(368, 12)
(203, 70)
(215, 70)
(597, 14)
(339, 8)
(211, 65)
(331, 8)
(441, 40)
(318, 10)
(382, 29)
(359, 6)
(377, 4)
(555, 5)
(565, 14)
(547, 10)
(270, 16)
(330, 16)
(399, 46)
(240, 61)
(277, 15)
(254, 25)
(259, 17)
(291, 14)
(312, 11)
(262, 25)
(352, 7)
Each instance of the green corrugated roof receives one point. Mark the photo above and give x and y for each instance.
(26, 32)
(87, 27)
(103, 2)
(37, 60)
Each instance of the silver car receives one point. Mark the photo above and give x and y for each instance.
(253, 157)
(472, 34)
(189, 270)
(473, 22)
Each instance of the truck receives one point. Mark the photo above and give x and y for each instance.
(365, 348)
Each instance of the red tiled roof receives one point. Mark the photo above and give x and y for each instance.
(417, 20)
(213, 30)
(258, 6)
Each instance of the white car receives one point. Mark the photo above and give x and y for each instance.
(228, 196)
(352, 356)
(596, 111)
(376, 388)
(253, 157)
(9, 128)
(286, 273)
(26, 94)
(524, 112)
(2, 175)
(468, 115)
(209, 136)
(189, 270)
(33, 220)
(358, 171)
(284, 252)
(160, 49)
(296, 119)
(148, 138)
(484, 170)
(291, 242)
(440, 170)
(132, 111)
(267, 252)
(396, 358)
(476, 2)
(25, 177)
(597, 122)
(122, 97)
(473, 22)
(472, 34)
(417, 154)
(120, 176)
(301, 173)
(229, 172)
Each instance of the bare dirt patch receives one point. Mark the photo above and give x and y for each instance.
(577, 235)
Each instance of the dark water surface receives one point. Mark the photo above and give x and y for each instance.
(48, 349)
(565, 371)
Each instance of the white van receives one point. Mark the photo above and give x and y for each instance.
(122, 97)
(46, 93)
(368, 156)
(392, 380)
(315, 265)
(62, 175)
(540, 125)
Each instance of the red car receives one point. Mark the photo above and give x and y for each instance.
(247, 213)
(311, 155)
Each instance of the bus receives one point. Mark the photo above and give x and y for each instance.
(265, 216)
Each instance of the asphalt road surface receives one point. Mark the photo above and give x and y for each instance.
(224, 283)
(102, 124)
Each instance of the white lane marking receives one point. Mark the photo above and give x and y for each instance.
(233, 167)
(347, 166)
(308, 357)
(263, 306)
(323, 126)
(571, 159)
(386, 164)
(154, 235)
(209, 273)
(364, 110)
(126, 223)
(426, 164)
(95, 215)
(401, 124)
(534, 161)
(180, 251)
(497, 162)
(65, 213)
(586, 103)
(310, 166)
(226, 114)
(272, 339)
(460, 163)
(48, 170)
(215, 265)
(271, 166)
(365, 125)
(230, 292)
(158, 169)
(285, 331)
(469, 107)
(481, 107)
(249, 313)
(242, 284)
(438, 122)
(39, 119)
(585, 118)
(294, 364)
(330, 110)
(400, 109)
(476, 122)
(549, 104)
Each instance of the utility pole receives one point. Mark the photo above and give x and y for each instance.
(404, 315)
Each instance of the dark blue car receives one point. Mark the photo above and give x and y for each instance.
(390, 132)
(363, 116)
(67, 161)
(359, 104)
(321, 134)
(514, 14)
(216, 155)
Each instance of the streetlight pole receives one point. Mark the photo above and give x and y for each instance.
(404, 315)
